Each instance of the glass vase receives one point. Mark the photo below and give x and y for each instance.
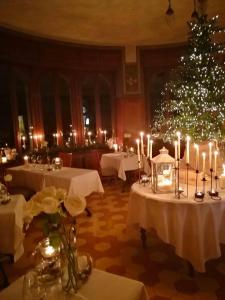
(75, 268)
(69, 263)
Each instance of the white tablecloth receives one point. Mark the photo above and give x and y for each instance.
(11, 227)
(194, 229)
(76, 181)
(100, 286)
(121, 162)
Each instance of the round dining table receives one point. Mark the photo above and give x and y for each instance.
(195, 229)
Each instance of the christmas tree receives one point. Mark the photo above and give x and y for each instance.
(194, 97)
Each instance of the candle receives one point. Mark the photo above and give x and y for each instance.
(188, 149)
(4, 159)
(178, 144)
(203, 163)
(89, 137)
(148, 145)
(57, 160)
(150, 152)
(115, 146)
(196, 156)
(215, 161)
(210, 155)
(175, 147)
(48, 252)
(105, 134)
(142, 142)
(57, 138)
(138, 151)
(23, 142)
(26, 158)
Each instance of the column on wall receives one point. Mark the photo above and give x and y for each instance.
(76, 108)
(98, 118)
(14, 112)
(34, 103)
(58, 116)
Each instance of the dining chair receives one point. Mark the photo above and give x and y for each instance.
(3, 277)
(66, 158)
(78, 160)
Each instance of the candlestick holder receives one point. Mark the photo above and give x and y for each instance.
(150, 169)
(139, 171)
(199, 195)
(178, 190)
(213, 193)
(187, 176)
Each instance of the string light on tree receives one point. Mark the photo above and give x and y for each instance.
(196, 92)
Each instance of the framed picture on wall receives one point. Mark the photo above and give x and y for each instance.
(131, 78)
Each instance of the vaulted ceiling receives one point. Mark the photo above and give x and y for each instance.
(106, 22)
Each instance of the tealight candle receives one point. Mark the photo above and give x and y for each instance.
(4, 159)
(26, 158)
(115, 146)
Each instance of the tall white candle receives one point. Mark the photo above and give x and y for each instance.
(150, 152)
(188, 149)
(89, 137)
(105, 132)
(178, 144)
(203, 163)
(138, 150)
(142, 142)
(175, 148)
(210, 155)
(26, 158)
(57, 138)
(148, 145)
(196, 156)
(215, 161)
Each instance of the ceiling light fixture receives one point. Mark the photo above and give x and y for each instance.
(194, 15)
(169, 11)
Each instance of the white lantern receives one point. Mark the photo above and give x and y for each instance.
(163, 174)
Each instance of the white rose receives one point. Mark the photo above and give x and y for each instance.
(49, 205)
(8, 178)
(31, 209)
(75, 205)
(61, 194)
(49, 191)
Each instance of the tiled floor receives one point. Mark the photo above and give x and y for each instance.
(117, 249)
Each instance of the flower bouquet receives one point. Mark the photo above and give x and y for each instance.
(56, 208)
